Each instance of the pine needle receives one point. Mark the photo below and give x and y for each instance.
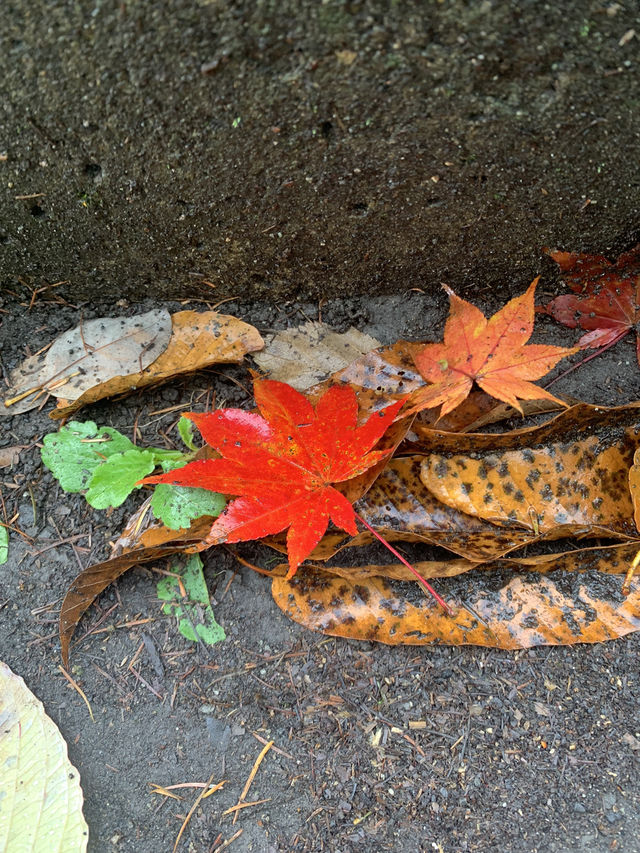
(252, 776)
(78, 689)
(203, 793)
(239, 806)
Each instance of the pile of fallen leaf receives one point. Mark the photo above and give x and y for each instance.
(360, 457)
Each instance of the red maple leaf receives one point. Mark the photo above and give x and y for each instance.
(493, 353)
(606, 296)
(282, 462)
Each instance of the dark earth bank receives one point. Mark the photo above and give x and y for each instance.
(524, 751)
(280, 148)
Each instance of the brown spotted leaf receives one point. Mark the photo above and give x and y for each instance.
(496, 413)
(401, 508)
(634, 487)
(498, 608)
(610, 559)
(568, 477)
(579, 419)
(428, 569)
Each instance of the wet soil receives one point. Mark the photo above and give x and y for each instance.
(375, 748)
(312, 149)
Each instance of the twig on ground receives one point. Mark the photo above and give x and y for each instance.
(229, 841)
(274, 748)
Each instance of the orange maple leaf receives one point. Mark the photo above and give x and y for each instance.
(493, 353)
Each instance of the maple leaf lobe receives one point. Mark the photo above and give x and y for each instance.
(282, 462)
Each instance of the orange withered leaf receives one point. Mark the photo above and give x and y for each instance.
(493, 353)
(503, 606)
(140, 543)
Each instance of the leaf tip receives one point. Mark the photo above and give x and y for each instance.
(291, 572)
(450, 293)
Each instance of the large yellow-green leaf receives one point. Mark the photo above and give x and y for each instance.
(40, 794)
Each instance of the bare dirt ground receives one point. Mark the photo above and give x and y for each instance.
(375, 748)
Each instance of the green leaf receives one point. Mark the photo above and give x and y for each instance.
(114, 480)
(75, 452)
(103, 461)
(193, 612)
(185, 428)
(178, 506)
(178, 461)
(40, 794)
(4, 545)
(169, 459)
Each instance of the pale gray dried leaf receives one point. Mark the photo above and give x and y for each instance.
(309, 353)
(10, 455)
(631, 741)
(27, 375)
(106, 347)
(88, 355)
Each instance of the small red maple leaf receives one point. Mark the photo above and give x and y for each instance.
(281, 464)
(606, 296)
(493, 353)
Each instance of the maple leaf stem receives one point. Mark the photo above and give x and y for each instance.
(423, 583)
(578, 364)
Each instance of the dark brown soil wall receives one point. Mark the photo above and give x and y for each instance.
(283, 149)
